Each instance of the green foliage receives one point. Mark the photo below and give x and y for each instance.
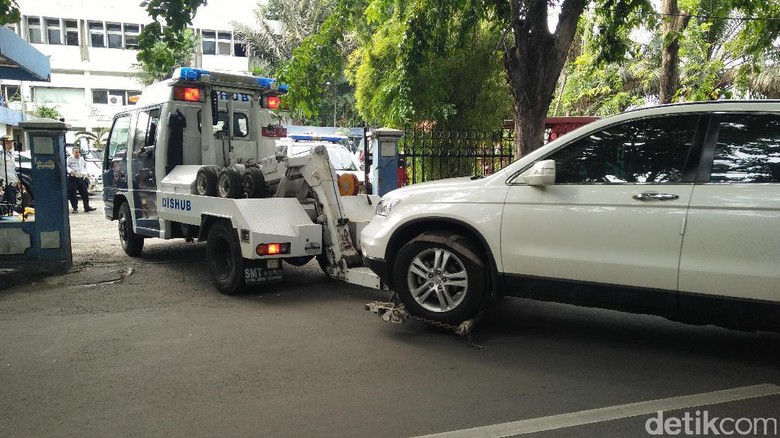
(719, 58)
(592, 90)
(273, 9)
(613, 21)
(166, 43)
(47, 112)
(162, 59)
(9, 12)
(401, 75)
(270, 44)
(315, 62)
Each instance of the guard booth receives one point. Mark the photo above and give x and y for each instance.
(39, 242)
(384, 160)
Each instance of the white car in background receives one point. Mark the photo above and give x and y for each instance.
(672, 210)
(343, 161)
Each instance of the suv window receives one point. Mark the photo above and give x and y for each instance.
(748, 149)
(639, 151)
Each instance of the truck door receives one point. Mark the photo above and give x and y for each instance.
(115, 162)
(144, 181)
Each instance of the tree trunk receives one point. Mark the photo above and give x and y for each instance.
(672, 24)
(534, 63)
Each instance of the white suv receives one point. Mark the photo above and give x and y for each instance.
(672, 210)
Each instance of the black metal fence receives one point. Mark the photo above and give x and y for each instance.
(430, 155)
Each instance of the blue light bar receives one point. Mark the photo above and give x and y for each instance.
(271, 84)
(313, 137)
(191, 74)
(195, 74)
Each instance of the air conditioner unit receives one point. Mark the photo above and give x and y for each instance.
(115, 100)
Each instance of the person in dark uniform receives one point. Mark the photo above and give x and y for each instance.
(9, 171)
(77, 181)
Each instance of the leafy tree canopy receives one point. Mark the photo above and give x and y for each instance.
(728, 49)
(164, 41)
(9, 12)
(279, 28)
(162, 59)
(398, 78)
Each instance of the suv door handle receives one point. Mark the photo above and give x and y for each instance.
(653, 196)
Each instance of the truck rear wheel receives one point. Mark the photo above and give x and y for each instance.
(132, 243)
(206, 181)
(223, 255)
(253, 183)
(229, 183)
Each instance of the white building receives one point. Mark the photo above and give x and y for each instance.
(91, 45)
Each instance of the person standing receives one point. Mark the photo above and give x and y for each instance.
(77, 181)
(9, 171)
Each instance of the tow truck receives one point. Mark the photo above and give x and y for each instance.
(196, 159)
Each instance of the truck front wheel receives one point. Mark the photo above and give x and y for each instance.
(132, 243)
(223, 254)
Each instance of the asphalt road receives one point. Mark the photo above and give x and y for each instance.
(146, 347)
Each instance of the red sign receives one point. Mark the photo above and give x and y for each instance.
(274, 132)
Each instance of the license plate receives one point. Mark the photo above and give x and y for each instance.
(263, 271)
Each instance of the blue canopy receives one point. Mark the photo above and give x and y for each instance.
(21, 61)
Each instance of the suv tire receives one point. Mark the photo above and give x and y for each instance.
(439, 276)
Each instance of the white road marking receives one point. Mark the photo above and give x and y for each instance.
(611, 413)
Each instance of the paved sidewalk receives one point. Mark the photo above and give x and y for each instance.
(94, 241)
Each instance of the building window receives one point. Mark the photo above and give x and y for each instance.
(131, 36)
(209, 42)
(111, 97)
(13, 27)
(11, 93)
(223, 43)
(48, 95)
(53, 31)
(34, 35)
(239, 49)
(114, 35)
(71, 32)
(97, 36)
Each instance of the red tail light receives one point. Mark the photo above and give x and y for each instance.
(186, 94)
(273, 102)
(272, 249)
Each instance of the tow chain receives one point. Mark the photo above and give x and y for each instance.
(396, 313)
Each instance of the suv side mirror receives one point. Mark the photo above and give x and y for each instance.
(542, 173)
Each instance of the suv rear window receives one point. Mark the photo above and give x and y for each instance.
(748, 149)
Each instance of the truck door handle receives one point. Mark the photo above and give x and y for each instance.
(653, 196)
